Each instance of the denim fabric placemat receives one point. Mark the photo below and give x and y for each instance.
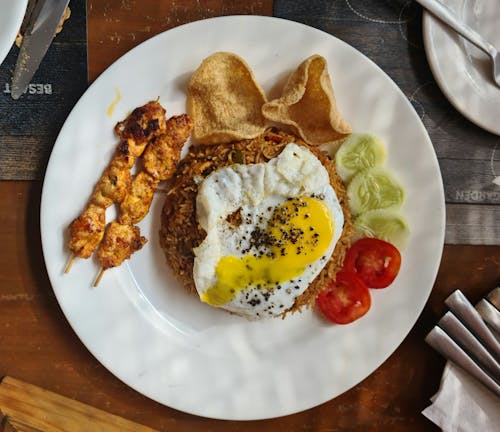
(29, 126)
(390, 34)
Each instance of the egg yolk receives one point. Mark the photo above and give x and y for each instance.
(298, 233)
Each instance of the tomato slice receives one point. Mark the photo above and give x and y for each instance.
(344, 300)
(375, 261)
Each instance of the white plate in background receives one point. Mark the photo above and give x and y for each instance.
(11, 18)
(144, 327)
(462, 71)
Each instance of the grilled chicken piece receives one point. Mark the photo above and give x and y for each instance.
(139, 127)
(119, 243)
(86, 231)
(114, 182)
(136, 204)
(163, 153)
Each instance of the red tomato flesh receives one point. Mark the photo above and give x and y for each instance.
(375, 261)
(344, 300)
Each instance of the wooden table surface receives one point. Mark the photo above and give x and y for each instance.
(38, 345)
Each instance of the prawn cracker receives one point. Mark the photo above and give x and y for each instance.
(225, 101)
(307, 104)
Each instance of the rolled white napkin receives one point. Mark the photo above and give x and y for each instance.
(462, 404)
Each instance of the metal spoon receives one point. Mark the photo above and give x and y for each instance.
(447, 16)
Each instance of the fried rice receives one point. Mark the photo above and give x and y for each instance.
(180, 232)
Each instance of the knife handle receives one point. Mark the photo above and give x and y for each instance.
(442, 343)
(490, 315)
(494, 297)
(470, 344)
(464, 310)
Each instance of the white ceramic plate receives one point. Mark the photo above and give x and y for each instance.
(143, 326)
(11, 17)
(462, 71)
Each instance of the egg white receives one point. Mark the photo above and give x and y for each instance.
(257, 189)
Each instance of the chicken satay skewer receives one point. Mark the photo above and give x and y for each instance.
(99, 277)
(119, 243)
(86, 230)
(141, 126)
(70, 263)
(122, 238)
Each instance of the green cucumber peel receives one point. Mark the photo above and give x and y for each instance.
(358, 152)
(384, 224)
(374, 188)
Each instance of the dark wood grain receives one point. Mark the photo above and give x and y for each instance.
(114, 27)
(38, 345)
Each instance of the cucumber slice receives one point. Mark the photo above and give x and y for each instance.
(374, 188)
(358, 152)
(384, 224)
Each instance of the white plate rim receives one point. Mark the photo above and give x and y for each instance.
(439, 241)
(473, 112)
(16, 11)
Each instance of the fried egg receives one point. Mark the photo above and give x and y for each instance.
(271, 228)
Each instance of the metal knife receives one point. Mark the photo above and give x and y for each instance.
(39, 32)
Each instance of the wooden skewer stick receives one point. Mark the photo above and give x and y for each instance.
(99, 277)
(70, 264)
